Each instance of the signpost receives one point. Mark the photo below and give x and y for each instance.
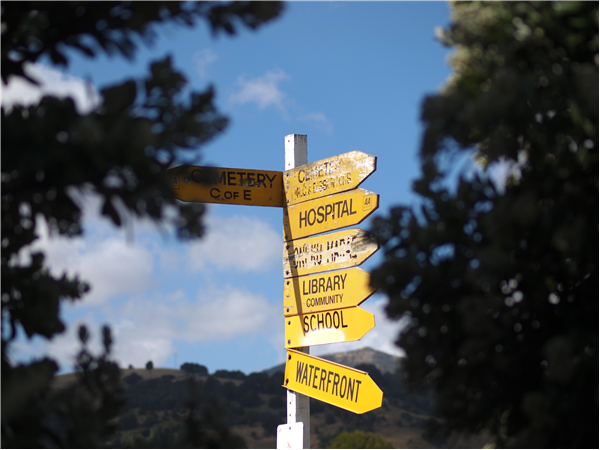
(328, 213)
(227, 186)
(346, 248)
(325, 291)
(332, 383)
(329, 176)
(322, 286)
(328, 327)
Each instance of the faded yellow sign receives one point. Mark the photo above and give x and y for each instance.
(328, 213)
(329, 176)
(324, 291)
(327, 327)
(338, 250)
(227, 186)
(338, 385)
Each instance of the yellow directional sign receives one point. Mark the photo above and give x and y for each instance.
(328, 213)
(346, 248)
(329, 176)
(227, 186)
(325, 291)
(327, 327)
(338, 385)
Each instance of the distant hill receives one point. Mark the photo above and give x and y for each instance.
(385, 362)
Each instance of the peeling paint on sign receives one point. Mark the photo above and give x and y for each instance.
(326, 177)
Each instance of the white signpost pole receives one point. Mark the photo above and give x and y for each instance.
(298, 405)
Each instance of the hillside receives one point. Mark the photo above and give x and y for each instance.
(253, 405)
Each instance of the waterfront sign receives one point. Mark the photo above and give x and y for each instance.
(338, 385)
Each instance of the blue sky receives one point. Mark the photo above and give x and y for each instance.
(349, 75)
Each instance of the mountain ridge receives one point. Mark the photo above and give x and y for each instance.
(385, 362)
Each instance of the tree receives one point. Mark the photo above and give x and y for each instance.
(149, 366)
(194, 368)
(359, 439)
(499, 281)
(117, 152)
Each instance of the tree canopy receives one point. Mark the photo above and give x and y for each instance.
(499, 279)
(118, 152)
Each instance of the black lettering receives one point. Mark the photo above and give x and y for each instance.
(357, 387)
(338, 208)
(270, 179)
(260, 179)
(304, 290)
(329, 287)
(315, 377)
(329, 210)
(215, 193)
(343, 278)
(311, 323)
(314, 217)
(329, 382)
(222, 177)
(336, 381)
(241, 174)
(322, 379)
(321, 285)
(247, 194)
(342, 318)
(310, 375)
(351, 211)
(336, 282)
(299, 367)
(301, 176)
(302, 219)
(320, 214)
(304, 374)
(350, 394)
(305, 324)
(336, 315)
(320, 322)
(313, 286)
(343, 385)
(328, 316)
(231, 178)
(345, 209)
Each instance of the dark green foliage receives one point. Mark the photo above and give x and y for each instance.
(52, 153)
(149, 366)
(499, 286)
(194, 368)
(359, 439)
(132, 379)
(232, 375)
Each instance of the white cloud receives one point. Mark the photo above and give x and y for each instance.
(320, 121)
(243, 243)
(203, 59)
(263, 91)
(146, 327)
(53, 82)
(382, 337)
(111, 266)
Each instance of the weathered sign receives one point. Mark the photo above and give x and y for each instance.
(326, 177)
(324, 291)
(338, 385)
(328, 213)
(327, 327)
(346, 248)
(227, 186)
